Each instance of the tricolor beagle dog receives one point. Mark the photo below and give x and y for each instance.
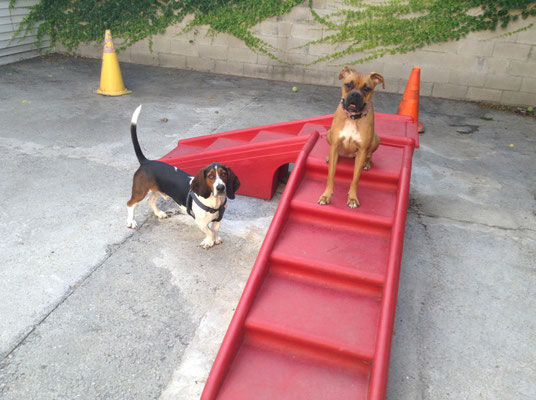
(204, 196)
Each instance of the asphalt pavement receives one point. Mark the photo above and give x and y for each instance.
(90, 309)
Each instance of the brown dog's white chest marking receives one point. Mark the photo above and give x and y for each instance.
(350, 139)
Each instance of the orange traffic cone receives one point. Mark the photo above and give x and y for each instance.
(111, 83)
(409, 105)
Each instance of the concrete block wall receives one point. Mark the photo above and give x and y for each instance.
(485, 66)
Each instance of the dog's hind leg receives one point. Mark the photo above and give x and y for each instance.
(131, 206)
(131, 222)
(153, 197)
(139, 191)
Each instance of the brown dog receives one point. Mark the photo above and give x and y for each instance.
(352, 130)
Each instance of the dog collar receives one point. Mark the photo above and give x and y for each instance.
(191, 197)
(355, 116)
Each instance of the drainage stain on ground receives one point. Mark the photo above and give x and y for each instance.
(466, 129)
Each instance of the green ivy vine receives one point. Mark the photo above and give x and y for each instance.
(364, 30)
(73, 22)
(397, 26)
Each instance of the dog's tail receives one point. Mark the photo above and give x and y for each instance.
(134, 135)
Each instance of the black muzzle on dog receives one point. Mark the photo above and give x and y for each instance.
(354, 105)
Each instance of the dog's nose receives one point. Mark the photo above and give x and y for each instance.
(354, 99)
(220, 187)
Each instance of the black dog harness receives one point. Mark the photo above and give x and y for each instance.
(355, 116)
(191, 197)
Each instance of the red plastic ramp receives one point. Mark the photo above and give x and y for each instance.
(259, 155)
(316, 317)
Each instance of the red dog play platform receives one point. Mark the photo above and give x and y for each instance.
(316, 317)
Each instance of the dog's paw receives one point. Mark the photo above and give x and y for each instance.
(353, 202)
(161, 214)
(207, 243)
(218, 240)
(324, 200)
(132, 224)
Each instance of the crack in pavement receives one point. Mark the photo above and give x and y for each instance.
(110, 250)
(471, 222)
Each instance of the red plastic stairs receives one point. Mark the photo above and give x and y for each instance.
(316, 317)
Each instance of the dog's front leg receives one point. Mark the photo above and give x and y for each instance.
(333, 158)
(353, 201)
(215, 229)
(208, 242)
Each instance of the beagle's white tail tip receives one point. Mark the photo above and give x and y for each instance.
(135, 116)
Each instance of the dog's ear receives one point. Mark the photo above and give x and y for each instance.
(377, 79)
(345, 72)
(232, 183)
(199, 184)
